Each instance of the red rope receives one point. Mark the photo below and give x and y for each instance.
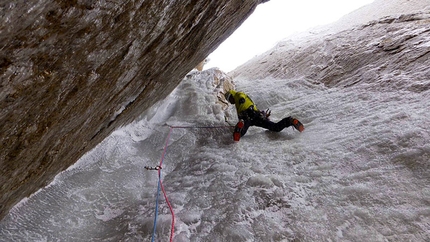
(172, 230)
(165, 147)
(201, 127)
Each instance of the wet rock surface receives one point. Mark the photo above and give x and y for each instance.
(73, 71)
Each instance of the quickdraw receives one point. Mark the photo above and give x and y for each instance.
(155, 168)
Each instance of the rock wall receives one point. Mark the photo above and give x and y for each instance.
(73, 71)
(394, 46)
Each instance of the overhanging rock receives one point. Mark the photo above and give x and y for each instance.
(73, 71)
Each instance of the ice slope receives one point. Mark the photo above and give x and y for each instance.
(359, 172)
(376, 10)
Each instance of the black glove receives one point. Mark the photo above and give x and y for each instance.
(265, 114)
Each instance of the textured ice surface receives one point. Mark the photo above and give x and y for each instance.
(359, 172)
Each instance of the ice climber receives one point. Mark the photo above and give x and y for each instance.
(249, 115)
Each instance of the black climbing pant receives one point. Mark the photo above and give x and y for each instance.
(267, 124)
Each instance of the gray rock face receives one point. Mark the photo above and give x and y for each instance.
(73, 71)
(396, 47)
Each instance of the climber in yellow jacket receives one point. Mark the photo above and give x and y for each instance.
(249, 115)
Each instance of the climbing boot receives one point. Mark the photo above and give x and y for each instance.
(237, 130)
(297, 125)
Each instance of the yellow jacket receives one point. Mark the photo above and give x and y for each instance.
(242, 102)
